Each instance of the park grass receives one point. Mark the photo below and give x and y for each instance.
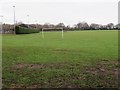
(80, 59)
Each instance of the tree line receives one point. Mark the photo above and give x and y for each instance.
(78, 26)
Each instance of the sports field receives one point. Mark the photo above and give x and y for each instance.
(80, 59)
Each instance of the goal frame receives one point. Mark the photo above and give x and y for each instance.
(62, 36)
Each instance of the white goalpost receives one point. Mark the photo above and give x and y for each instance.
(43, 29)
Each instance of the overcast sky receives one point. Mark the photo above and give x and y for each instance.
(54, 11)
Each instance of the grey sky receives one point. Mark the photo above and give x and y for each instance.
(70, 12)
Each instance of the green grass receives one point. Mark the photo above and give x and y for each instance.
(80, 59)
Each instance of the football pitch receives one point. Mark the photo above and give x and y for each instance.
(80, 59)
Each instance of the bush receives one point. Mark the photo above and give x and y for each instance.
(23, 30)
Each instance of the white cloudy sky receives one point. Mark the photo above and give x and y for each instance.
(54, 11)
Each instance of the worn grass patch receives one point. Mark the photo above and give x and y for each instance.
(71, 75)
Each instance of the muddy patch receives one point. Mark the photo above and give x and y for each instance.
(105, 72)
(18, 66)
(59, 49)
(104, 66)
(65, 50)
(31, 66)
(40, 66)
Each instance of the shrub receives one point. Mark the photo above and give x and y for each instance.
(23, 30)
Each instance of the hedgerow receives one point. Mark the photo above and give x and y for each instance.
(23, 30)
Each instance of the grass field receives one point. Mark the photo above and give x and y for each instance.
(81, 59)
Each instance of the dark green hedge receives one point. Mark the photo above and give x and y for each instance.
(23, 30)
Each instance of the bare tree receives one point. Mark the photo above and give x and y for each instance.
(82, 25)
(110, 26)
(46, 25)
(118, 26)
(60, 25)
(94, 26)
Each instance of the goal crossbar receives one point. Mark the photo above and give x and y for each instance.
(51, 28)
